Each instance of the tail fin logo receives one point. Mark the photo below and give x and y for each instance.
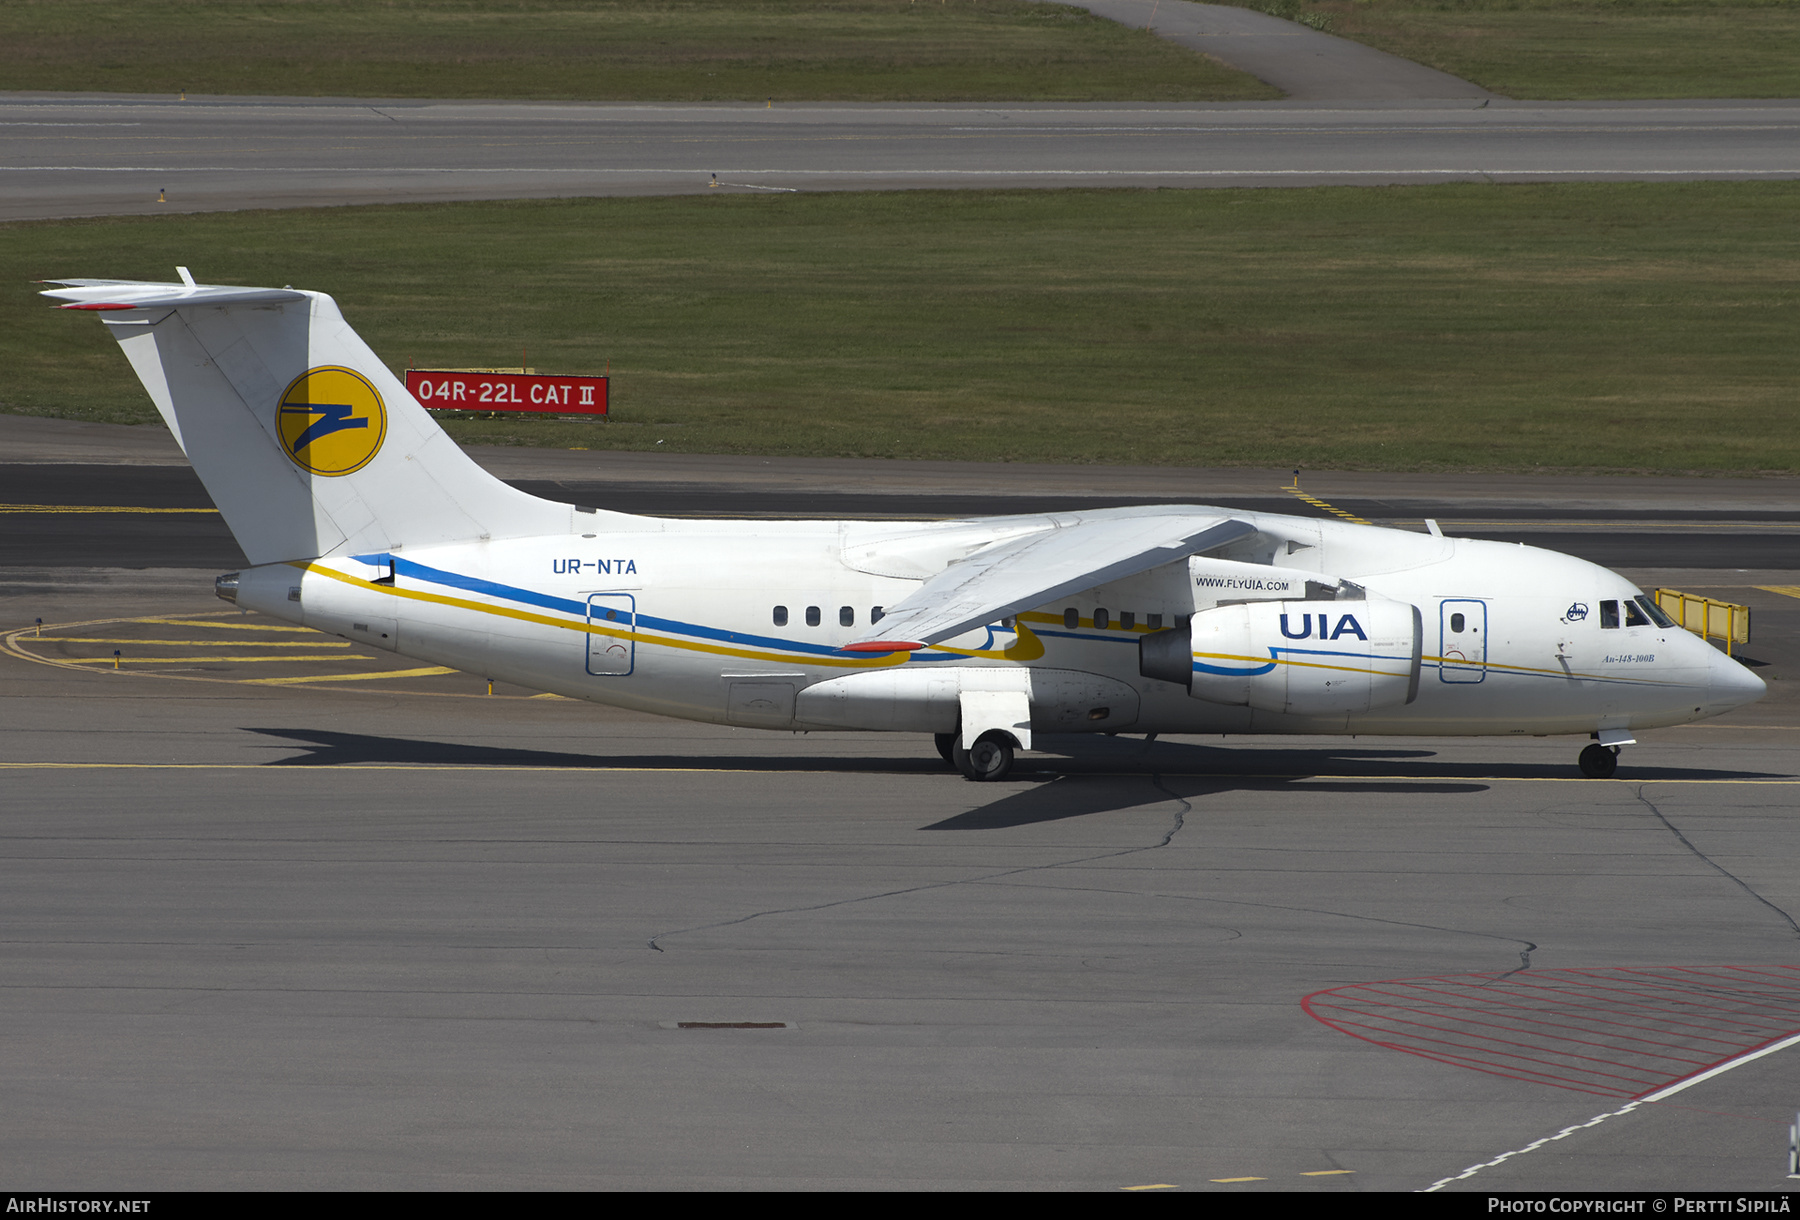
(331, 421)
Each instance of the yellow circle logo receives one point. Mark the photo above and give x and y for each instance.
(331, 421)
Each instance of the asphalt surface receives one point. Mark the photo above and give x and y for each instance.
(402, 934)
(64, 155)
(285, 913)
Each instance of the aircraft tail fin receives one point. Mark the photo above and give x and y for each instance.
(306, 441)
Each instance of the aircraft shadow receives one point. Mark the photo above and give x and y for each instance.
(1069, 756)
(1240, 763)
(327, 748)
(1067, 796)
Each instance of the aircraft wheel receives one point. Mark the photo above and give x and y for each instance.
(1599, 762)
(946, 746)
(990, 759)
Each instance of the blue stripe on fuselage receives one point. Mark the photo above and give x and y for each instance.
(565, 605)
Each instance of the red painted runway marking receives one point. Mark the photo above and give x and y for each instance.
(1616, 1032)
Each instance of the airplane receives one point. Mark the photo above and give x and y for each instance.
(360, 517)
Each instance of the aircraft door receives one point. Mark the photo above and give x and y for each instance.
(612, 626)
(1462, 639)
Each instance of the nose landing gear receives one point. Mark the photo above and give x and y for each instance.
(1598, 761)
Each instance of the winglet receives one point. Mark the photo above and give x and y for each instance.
(882, 646)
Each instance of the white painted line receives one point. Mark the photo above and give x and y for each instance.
(1709, 1073)
(1659, 1095)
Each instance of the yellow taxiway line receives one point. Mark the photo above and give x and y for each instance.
(42, 509)
(386, 673)
(200, 660)
(94, 639)
(14, 643)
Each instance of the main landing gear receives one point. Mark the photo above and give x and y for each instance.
(990, 758)
(1598, 761)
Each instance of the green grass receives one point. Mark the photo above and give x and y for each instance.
(1580, 48)
(1598, 326)
(603, 50)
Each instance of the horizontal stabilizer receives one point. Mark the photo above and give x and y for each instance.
(137, 294)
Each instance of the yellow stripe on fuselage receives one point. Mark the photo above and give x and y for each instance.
(1348, 669)
(1028, 647)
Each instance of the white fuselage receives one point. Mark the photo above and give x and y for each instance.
(742, 622)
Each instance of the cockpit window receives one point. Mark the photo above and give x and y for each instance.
(1634, 615)
(1654, 611)
(1609, 614)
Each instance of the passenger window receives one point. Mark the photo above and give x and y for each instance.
(1006, 624)
(1102, 620)
(1456, 622)
(781, 616)
(1609, 614)
(1071, 618)
(846, 616)
(1127, 619)
(1634, 616)
(812, 616)
(1153, 622)
(876, 614)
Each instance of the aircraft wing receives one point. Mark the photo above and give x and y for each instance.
(1026, 572)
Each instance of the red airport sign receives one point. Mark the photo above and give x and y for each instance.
(449, 390)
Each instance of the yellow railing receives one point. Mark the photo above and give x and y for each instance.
(1706, 618)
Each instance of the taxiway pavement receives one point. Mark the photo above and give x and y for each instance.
(310, 937)
(73, 155)
(67, 469)
(277, 921)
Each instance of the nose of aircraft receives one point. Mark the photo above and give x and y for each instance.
(1729, 684)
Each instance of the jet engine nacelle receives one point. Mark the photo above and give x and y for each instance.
(1307, 658)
